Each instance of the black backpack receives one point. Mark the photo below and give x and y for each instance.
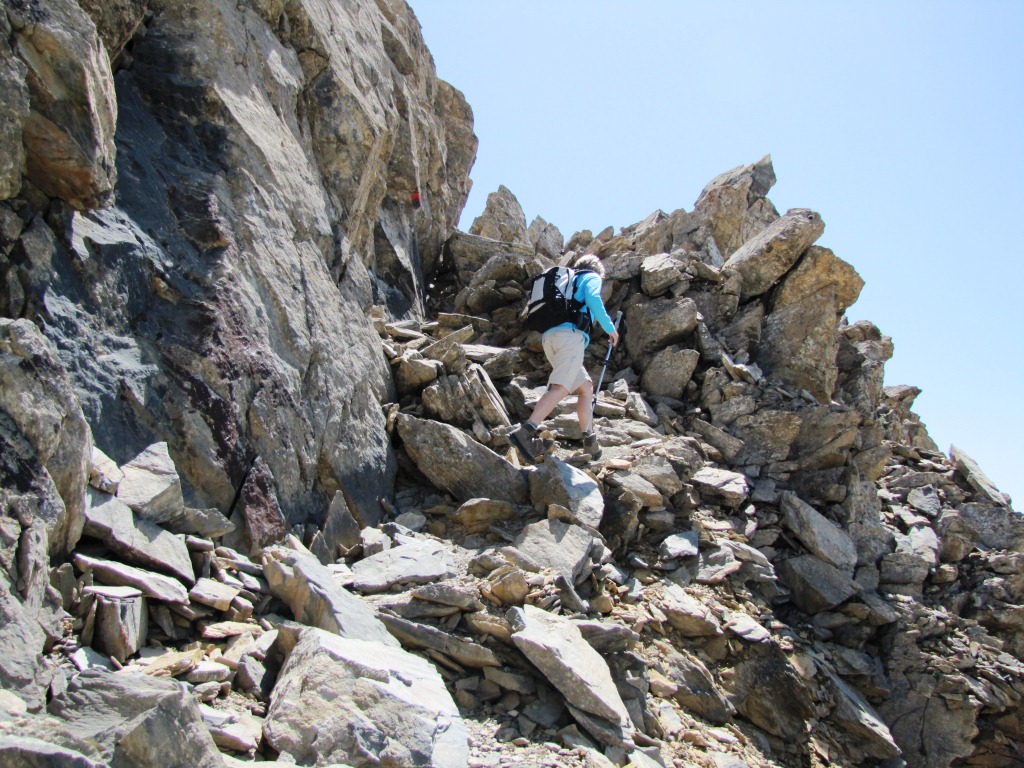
(551, 301)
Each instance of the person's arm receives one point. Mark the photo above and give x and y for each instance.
(590, 286)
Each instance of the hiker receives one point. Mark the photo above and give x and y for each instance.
(564, 345)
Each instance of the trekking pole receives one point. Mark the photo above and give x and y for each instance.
(607, 357)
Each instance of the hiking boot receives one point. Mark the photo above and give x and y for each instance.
(529, 445)
(591, 446)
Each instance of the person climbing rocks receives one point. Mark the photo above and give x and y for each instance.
(564, 345)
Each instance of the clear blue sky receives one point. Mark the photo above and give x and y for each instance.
(901, 123)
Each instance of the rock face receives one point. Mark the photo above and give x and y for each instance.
(257, 496)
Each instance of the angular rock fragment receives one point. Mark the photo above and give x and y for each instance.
(137, 539)
(317, 599)
(555, 646)
(763, 259)
(154, 585)
(413, 562)
(562, 547)
(816, 586)
(150, 485)
(819, 534)
(731, 488)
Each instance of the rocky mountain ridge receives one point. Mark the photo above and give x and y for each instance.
(259, 501)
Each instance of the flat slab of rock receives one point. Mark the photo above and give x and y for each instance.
(819, 534)
(458, 464)
(816, 586)
(150, 485)
(317, 599)
(136, 539)
(416, 562)
(154, 585)
(562, 547)
(465, 652)
(555, 646)
(339, 700)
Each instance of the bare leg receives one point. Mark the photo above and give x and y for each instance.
(555, 394)
(584, 400)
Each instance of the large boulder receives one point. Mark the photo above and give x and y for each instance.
(360, 703)
(765, 258)
(733, 206)
(137, 720)
(458, 464)
(799, 344)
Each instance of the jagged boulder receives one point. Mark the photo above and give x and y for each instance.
(137, 720)
(503, 219)
(458, 464)
(339, 700)
(767, 256)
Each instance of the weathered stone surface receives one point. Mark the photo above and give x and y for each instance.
(213, 593)
(556, 482)
(768, 689)
(22, 641)
(471, 253)
(731, 488)
(339, 700)
(135, 538)
(503, 219)
(13, 113)
(414, 372)
(477, 515)
(766, 257)
(659, 273)
(679, 545)
(688, 614)
(116, 21)
(137, 720)
(317, 599)
(545, 238)
(258, 517)
(36, 394)
(466, 399)
(555, 646)
(414, 635)
(69, 133)
(969, 468)
(991, 525)
(816, 586)
(458, 464)
(562, 547)
(412, 562)
(696, 690)
(658, 323)
(819, 534)
(799, 345)
(154, 585)
(669, 371)
(150, 485)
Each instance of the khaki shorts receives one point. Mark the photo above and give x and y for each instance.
(564, 349)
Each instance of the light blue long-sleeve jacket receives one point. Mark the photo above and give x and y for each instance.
(588, 290)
